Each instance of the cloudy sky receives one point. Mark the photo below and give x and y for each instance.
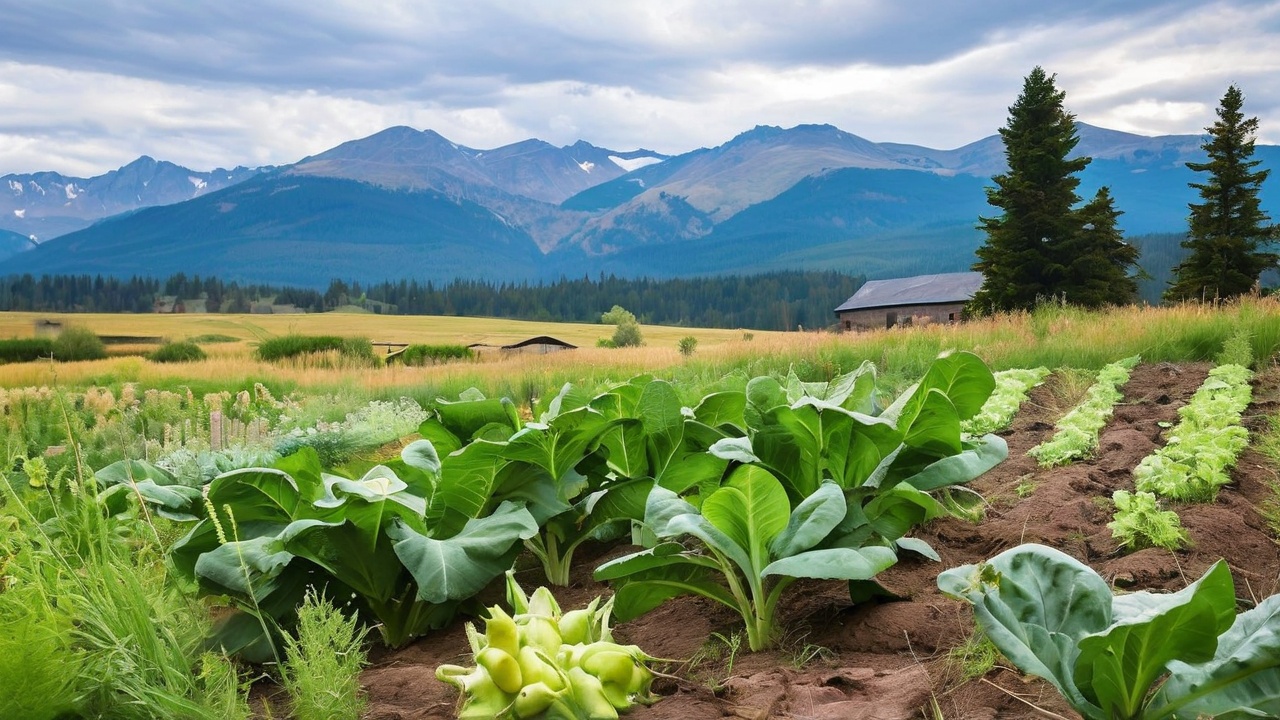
(88, 85)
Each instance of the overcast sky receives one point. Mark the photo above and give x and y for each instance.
(87, 86)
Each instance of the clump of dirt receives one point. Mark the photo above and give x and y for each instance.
(887, 660)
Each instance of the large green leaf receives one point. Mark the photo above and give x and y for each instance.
(458, 567)
(1036, 604)
(1242, 680)
(421, 454)
(961, 376)
(752, 509)
(625, 444)
(659, 412)
(834, 563)
(560, 445)
(722, 408)
(465, 417)
(259, 494)
(857, 446)
(646, 591)
(811, 522)
(467, 480)
(763, 395)
(248, 566)
(130, 479)
(1118, 666)
(989, 451)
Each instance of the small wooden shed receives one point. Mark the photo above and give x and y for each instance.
(904, 301)
(539, 345)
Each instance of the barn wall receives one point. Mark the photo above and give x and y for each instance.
(873, 318)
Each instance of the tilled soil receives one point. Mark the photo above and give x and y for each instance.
(888, 660)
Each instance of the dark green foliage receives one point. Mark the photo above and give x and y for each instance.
(627, 333)
(77, 343)
(434, 354)
(178, 351)
(293, 346)
(213, 338)
(1041, 245)
(25, 349)
(1228, 231)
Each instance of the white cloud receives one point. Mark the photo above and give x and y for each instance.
(190, 85)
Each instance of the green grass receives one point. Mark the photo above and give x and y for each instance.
(25, 349)
(177, 351)
(288, 347)
(213, 338)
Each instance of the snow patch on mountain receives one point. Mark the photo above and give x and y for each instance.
(20, 213)
(633, 163)
(16, 187)
(36, 187)
(72, 191)
(586, 166)
(200, 184)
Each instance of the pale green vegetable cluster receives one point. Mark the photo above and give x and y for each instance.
(1139, 522)
(542, 663)
(1012, 387)
(1201, 450)
(1077, 432)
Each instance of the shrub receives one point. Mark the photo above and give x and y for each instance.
(77, 343)
(179, 351)
(627, 335)
(434, 354)
(687, 345)
(25, 349)
(293, 346)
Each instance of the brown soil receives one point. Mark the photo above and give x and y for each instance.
(888, 661)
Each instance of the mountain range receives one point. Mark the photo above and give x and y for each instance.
(404, 203)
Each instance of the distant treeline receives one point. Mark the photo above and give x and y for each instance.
(782, 300)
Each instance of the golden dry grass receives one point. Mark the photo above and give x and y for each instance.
(1055, 337)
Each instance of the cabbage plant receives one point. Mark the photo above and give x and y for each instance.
(1141, 656)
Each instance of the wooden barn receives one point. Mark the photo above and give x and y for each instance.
(906, 301)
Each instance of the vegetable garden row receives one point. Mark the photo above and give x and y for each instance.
(736, 500)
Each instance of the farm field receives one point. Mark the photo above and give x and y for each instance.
(895, 659)
(742, 411)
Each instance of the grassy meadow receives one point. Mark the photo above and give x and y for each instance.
(1051, 336)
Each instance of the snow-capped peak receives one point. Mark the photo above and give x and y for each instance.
(634, 163)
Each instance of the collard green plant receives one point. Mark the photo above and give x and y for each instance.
(851, 479)
(272, 533)
(1142, 656)
(753, 546)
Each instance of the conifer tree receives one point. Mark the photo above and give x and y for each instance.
(1228, 231)
(1041, 245)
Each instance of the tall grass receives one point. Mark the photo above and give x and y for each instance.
(321, 671)
(134, 640)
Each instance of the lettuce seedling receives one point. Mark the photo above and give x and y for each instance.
(1141, 656)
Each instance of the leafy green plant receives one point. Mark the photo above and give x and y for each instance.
(818, 488)
(177, 351)
(1144, 655)
(321, 671)
(544, 663)
(753, 548)
(38, 662)
(1012, 388)
(78, 343)
(388, 540)
(1076, 433)
(1139, 522)
(1201, 449)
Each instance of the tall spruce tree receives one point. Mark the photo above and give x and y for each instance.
(1041, 245)
(1228, 231)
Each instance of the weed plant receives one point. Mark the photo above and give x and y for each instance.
(321, 671)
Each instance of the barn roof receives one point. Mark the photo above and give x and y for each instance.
(918, 290)
(540, 340)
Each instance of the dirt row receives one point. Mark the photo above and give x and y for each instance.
(888, 660)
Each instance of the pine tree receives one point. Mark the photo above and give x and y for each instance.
(1021, 260)
(1042, 245)
(1098, 259)
(1229, 229)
